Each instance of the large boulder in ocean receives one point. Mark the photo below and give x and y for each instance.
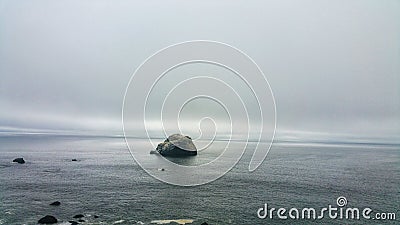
(19, 160)
(177, 145)
(48, 220)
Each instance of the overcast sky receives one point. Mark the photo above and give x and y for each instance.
(334, 66)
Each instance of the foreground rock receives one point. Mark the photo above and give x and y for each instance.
(56, 203)
(48, 220)
(78, 216)
(19, 160)
(177, 145)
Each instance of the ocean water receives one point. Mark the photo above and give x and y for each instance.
(107, 182)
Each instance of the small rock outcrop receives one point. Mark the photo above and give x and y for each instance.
(177, 145)
(19, 160)
(154, 152)
(56, 203)
(78, 216)
(48, 220)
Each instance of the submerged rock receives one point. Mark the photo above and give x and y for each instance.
(19, 160)
(177, 145)
(48, 220)
(56, 203)
(74, 160)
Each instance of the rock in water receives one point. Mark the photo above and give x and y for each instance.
(78, 216)
(177, 145)
(56, 203)
(48, 220)
(19, 160)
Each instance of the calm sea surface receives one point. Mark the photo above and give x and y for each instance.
(107, 182)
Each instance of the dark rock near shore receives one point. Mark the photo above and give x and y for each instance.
(96, 216)
(205, 223)
(74, 160)
(78, 216)
(56, 203)
(81, 220)
(48, 220)
(19, 160)
(177, 145)
(73, 222)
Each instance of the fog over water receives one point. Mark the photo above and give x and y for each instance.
(334, 68)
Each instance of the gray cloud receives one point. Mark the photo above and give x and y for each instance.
(334, 66)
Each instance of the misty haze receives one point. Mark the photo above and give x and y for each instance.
(77, 125)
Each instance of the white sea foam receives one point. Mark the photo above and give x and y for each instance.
(64, 223)
(179, 221)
